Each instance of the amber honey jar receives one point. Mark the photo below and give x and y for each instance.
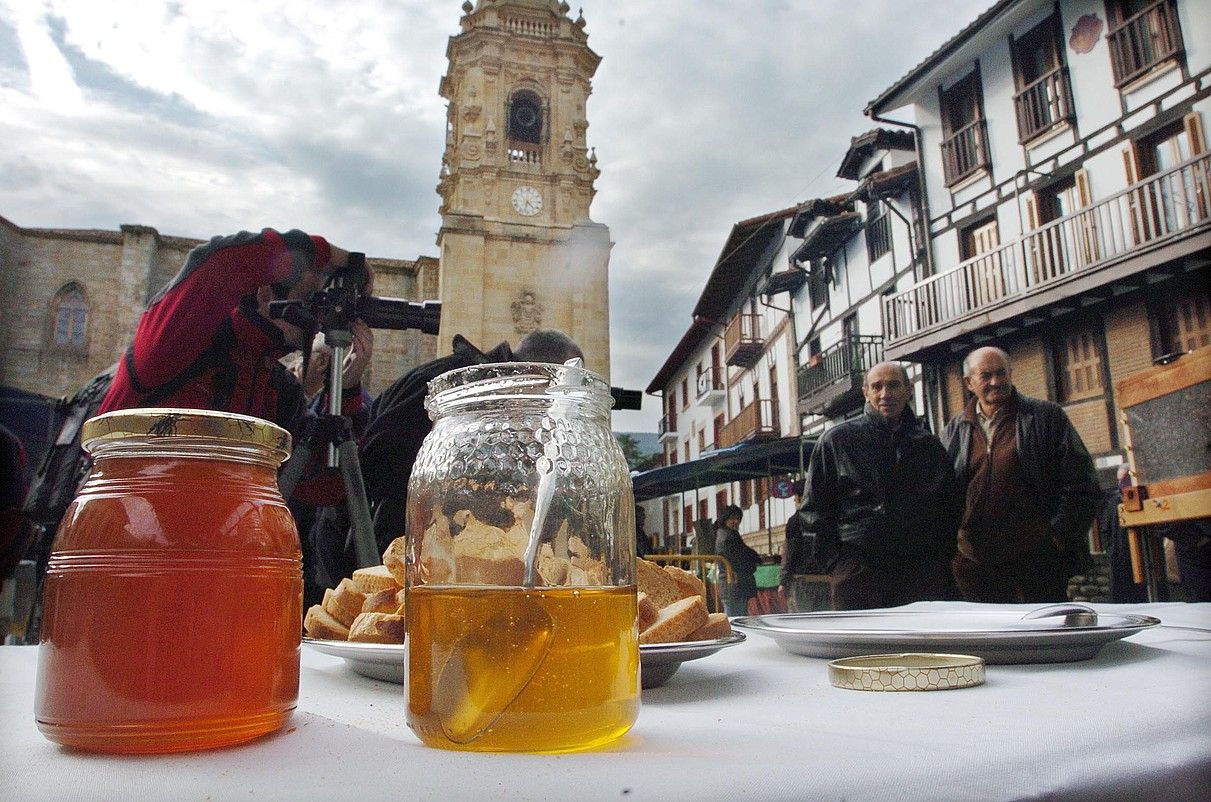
(521, 559)
(173, 594)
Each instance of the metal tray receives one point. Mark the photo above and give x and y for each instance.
(388, 662)
(997, 636)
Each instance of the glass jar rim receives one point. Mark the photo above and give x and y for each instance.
(165, 425)
(538, 381)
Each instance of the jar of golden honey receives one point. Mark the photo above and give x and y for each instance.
(521, 558)
(173, 594)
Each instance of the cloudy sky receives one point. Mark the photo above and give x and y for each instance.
(203, 118)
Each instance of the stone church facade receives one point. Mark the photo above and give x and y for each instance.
(518, 250)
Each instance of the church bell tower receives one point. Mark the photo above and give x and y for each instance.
(518, 249)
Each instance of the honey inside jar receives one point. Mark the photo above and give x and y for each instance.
(173, 600)
(517, 669)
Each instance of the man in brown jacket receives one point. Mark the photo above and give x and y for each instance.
(1030, 486)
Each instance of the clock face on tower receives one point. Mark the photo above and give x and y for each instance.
(527, 201)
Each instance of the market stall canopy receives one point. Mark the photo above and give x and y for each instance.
(743, 461)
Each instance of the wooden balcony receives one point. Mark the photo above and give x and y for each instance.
(743, 341)
(837, 371)
(965, 152)
(1043, 104)
(755, 422)
(710, 388)
(1163, 217)
(1146, 40)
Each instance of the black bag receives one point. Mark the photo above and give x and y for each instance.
(65, 465)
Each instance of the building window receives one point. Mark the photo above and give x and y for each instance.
(1044, 97)
(746, 494)
(1144, 34)
(965, 136)
(817, 286)
(689, 518)
(702, 440)
(718, 430)
(1078, 365)
(69, 319)
(686, 446)
(1184, 323)
(685, 393)
(525, 127)
(878, 230)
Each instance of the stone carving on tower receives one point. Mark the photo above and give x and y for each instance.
(518, 247)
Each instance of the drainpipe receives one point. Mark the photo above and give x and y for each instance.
(923, 201)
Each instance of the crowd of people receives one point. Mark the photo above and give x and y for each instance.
(995, 510)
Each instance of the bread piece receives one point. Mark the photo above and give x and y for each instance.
(384, 601)
(373, 579)
(659, 586)
(716, 627)
(688, 584)
(318, 623)
(488, 555)
(394, 560)
(437, 552)
(378, 628)
(676, 621)
(647, 611)
(345, 602)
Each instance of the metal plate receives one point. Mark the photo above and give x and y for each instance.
(658, 661)
(997, 636)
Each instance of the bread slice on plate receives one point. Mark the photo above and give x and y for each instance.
(716, 627)
(378, 628)
(647, 611)
(320, 624)
(344, 602)
(373, 579)
(688, 584)
(659, 586)
(676, 621)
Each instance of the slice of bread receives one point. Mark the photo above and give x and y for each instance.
(318, 623)
(384, 601)
(345, 602)
(394, 558)
(688, 584)
(373, 579)
(716, 627)
(659, 586)
(647, 611)
(378, 628)
(676, 621)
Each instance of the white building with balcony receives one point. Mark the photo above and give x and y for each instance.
(730, 382)
(1065, 173)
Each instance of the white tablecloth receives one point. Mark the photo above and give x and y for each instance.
(751, 722)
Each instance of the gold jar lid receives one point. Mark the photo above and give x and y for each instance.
(913, 671)
(167, 424)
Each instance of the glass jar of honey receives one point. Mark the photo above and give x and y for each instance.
(172, 607)
(521, 558)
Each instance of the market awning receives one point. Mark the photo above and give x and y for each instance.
(735, 463)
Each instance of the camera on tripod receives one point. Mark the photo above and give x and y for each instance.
(342, 301)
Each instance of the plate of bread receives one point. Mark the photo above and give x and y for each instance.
(362, 620)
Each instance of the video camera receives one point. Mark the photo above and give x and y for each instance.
(341, 302)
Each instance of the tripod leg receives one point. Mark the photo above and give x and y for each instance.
(364, 545)
(292, 471)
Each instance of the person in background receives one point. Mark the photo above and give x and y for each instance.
(643, 545)
(14, 528)
(1030, 489)
(1123, 588)
(742, 558)
(881, 502)
(798, 560)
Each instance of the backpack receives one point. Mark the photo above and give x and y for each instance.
(65, 465)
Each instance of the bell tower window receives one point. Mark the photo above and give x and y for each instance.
(525, 130)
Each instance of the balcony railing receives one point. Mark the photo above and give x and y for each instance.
(743, 340)
(1045, 102)
(667, 427)
(965, 151)
(710, 386)
(838, 369)
(755, 421)
(1145, 40)
(1163, 206)
(524, 153)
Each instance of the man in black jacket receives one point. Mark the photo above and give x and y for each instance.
(881, 502)
(1030, 488)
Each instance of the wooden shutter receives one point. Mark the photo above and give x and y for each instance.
(1087, 222)
(1032, 210)
(1134, 207)
(1194, 130)
(1193, 123)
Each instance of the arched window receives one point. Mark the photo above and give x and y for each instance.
(69, 318)
(525, 117)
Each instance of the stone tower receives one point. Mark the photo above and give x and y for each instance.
(518, 249)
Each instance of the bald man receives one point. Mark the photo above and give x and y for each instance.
(1030, 487)
(880, 502)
